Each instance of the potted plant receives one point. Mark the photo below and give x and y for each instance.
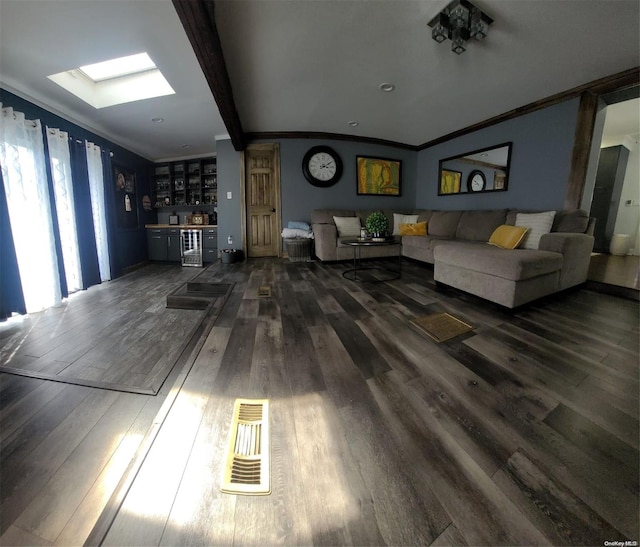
(377, 225)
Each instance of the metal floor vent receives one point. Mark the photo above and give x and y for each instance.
(247, 470)
(264, 291)
(441, 326)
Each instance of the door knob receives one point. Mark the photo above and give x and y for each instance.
(273, 210)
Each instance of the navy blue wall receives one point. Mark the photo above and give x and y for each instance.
(540, 162)
(299, 197)
(129, 247)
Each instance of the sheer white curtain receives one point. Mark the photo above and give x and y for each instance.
(60, 159)
(96, 186)
(25, 183)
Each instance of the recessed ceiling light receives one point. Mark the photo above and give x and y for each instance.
(157, 120)
(354, 123)
(387, 88)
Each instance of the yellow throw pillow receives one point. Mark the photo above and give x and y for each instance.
(417, 229)
(507, 237)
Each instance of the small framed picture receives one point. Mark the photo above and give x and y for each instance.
(449, 182)
(126, 207)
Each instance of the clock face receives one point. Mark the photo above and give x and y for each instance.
(476, 181)
(322, 166)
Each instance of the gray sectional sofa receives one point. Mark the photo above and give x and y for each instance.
(457, 246)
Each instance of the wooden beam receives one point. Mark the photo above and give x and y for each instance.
(581, 149)
(198, 20)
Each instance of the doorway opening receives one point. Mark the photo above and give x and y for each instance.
(615, 198)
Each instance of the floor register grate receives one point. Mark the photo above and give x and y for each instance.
(441, 326)
(247, 469)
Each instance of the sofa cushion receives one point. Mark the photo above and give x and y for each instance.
(347, 226)
(399, 218)
(515, 265)
(538, 224)
(444, 223)
(424, 216)
(507, 237)
(416, 241)
(575, 221)
(479, 225)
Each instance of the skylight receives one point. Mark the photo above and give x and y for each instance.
(116, 68)
(117, 81)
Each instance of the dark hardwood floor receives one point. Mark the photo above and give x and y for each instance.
(522, 432)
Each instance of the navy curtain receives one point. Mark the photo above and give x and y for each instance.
(11, 296)
(54, 222)
(84, 215)
(107, 173)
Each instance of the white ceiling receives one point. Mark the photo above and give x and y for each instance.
(315, 65)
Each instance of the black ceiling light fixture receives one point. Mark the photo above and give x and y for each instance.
(459, 22)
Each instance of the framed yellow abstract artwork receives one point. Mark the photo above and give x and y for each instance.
(378, 176)
(449, 182)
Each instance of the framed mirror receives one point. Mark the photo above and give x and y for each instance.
(485, 170)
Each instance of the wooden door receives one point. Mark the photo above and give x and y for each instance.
(262, 200)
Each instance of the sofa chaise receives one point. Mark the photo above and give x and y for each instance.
(457, 245)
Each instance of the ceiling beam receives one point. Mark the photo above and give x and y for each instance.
(198, 19)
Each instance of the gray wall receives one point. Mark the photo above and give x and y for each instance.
(540, 165)
(229, 210)
(540, 162)
(299, 197)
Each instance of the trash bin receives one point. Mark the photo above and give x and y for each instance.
(230, 256)
(619, 245)
(298, 249)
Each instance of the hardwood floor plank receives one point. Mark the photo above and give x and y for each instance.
(350, 305)
(44, 460)
(451, 536)
(80, 525)
(624, 400)
(16, 536)
(520, 432)
(25, 439)
(22, 410)
(300, 360)
(553, 389)
(232, 378)
(556, 511)
(482, 513)
(268, 372)
(359, 347)
(12, 390)
(555, 353)
(370, 461)
(148, 504)
(73, 479)
(599, 443)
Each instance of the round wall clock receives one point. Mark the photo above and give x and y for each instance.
(476, 181)
(322, 166)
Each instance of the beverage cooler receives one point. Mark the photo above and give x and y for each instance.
(191, 247)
